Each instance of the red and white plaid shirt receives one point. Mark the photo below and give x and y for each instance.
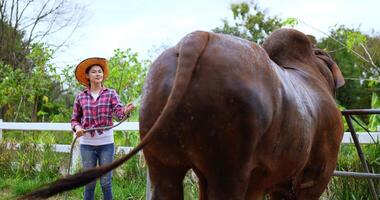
(92, 113)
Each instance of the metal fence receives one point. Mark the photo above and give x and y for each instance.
(349, 116)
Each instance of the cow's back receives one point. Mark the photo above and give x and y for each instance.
(227, 107)
(232, 85)
(241, 117)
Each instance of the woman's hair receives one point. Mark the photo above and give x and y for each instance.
(88, 68)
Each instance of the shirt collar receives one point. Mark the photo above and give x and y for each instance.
(87, 90)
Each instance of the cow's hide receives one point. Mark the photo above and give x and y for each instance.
(246, 123)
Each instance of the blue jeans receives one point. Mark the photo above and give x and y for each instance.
(91, 156)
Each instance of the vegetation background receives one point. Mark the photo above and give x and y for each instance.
(33, 89)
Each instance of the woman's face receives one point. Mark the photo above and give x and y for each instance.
(95, 75)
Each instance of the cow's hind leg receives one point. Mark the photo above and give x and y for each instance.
(312, 187)
(227, 186)
(282, 191)
(257, 186)
(166, 181)
(309, 186)
(317, 173)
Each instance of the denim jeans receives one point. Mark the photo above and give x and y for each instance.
(91, 156)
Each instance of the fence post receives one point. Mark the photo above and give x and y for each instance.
(1, 131)
(361, 155)
(148, 186)
(75, 157)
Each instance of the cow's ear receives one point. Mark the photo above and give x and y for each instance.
(338, 76)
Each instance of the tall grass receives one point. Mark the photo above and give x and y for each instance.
(343, 188)
(28, 167)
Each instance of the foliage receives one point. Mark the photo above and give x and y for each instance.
(371, 122)
(21, 174)
(28, 93)
(356, 93)
(374, 120)
(32, 90)
(127, 74)
(359, 45)
(252, 23)
(348, 160)
(45, 95)
(30, 167)
(23, 25)
(354, 38)
(12, 47)
(11, 88)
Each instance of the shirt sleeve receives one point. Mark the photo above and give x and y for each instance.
(117, 106)
(77, 114)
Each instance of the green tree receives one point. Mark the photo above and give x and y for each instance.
(34, 95)
(251, 22)
(34, 21)
(374, 120)
(127, 74)
(12, 47)
(11, 90)
(348, 47)
(23, 25)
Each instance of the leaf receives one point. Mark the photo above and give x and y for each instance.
(127, 74)
(45, 99)
(41, 113)
(374, 120)
(290, 21)
(354, 38)
(251, 22)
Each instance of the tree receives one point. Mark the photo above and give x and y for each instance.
(127, 74)
(10, 89)
(12, 49)
(252, 23)
(350, 49)
(33, 21)
(26, 24)
(27, 91)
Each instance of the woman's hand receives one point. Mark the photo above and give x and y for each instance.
(79, 131)
(128, 108)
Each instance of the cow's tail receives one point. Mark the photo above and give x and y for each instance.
(190, 49)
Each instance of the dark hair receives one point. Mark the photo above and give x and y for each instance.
(88, 68)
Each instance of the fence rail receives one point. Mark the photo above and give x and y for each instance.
(65, 148)
(362, 137)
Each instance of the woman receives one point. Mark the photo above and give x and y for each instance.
(94, 107)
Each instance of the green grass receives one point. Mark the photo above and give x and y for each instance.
(29, 168)
(343, 188)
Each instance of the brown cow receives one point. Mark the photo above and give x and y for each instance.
(247, 123)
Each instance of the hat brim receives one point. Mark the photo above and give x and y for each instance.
(80, 71)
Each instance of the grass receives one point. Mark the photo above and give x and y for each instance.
(128, 182)
(343, 188)
(16, 187)
(29, 168)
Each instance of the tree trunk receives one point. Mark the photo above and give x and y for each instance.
(35, 109)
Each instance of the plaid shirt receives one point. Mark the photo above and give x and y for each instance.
(92, 113)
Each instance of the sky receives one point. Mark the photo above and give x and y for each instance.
(146, 26)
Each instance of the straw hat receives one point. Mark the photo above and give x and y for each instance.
(80, 71)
